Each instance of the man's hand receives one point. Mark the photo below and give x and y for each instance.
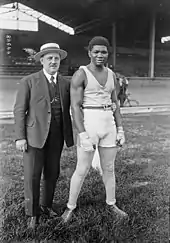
(21, 145)
(120, 139)
(85, 142)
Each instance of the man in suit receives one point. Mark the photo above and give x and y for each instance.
(43, 123)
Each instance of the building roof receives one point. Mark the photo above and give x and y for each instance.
(95, 17)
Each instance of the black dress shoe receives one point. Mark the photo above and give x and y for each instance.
(50, 212)
(33, 222)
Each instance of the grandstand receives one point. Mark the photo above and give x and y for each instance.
(131, 65)
(23, 69)
(133, 27)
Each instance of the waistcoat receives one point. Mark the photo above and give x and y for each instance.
(55, 102)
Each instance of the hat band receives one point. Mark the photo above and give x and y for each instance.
(50, 49)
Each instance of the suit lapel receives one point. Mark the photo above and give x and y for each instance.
(61, 84)
(43, 85)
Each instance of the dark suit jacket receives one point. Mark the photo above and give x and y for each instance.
(32, 110)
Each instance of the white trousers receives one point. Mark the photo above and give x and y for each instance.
(101, 128)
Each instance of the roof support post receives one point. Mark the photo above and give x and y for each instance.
(114, 45)
(152, 45)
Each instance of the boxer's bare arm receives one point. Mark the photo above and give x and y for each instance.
(77, 93)
(117, 114)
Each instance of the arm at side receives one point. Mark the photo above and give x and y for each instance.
(20, 109)
(116, 114)
(77, 93)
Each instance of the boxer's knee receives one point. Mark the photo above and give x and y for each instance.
(82, 170)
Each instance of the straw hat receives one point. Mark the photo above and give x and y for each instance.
(50, 47)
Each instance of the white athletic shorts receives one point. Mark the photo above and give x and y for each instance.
(100, 127)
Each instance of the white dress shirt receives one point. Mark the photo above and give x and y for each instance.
(48, 76)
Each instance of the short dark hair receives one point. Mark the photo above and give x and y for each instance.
(98, 40)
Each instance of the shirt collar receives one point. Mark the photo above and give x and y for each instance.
(48, 76)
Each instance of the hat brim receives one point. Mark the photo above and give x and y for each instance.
(61, 52)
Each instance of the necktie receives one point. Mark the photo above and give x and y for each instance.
(52, 81)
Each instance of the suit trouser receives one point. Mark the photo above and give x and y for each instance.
(46, 160)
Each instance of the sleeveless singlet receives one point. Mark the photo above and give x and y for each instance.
(96, 94)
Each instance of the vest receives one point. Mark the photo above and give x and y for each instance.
(56, 110)
(96, 94)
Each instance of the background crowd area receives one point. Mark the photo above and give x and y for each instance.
(129, 65)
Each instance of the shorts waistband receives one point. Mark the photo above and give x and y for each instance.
(103, 107)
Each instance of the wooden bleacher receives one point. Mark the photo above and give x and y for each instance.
(130, 66)
(17, 70)
(23, 69)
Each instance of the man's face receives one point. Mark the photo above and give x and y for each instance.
(51, 62)
(98, 55)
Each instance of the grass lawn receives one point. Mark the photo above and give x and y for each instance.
(142, 191)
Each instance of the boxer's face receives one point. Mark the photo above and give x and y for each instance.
(98, 55)
(51, 62)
